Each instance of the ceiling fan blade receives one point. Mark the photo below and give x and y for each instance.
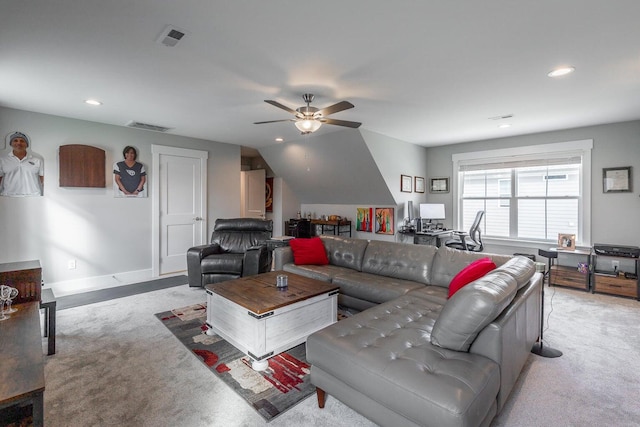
(284, 107)
(346, 123)
(340, 106)
(273, 121)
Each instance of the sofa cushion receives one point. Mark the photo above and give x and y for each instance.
(402, 261)
(319, 272)
(520, 268)
(345, 252)
(372, 287)
(448, 262)
(222, 263)
(473, 271)
(471, 309)
(385, 353)
(308, 251)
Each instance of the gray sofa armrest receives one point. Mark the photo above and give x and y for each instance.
(281, 256)
(509, 338)
(194, 257)
(255, 260)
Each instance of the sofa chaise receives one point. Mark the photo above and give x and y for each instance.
(412, 356)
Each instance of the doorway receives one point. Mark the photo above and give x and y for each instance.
(179, 213)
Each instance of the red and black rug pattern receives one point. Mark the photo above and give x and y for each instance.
(270, 392)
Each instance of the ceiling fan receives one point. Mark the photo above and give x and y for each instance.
(309, 119)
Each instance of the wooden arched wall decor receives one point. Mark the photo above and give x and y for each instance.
(82, 166)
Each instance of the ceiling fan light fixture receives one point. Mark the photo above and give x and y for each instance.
(307, 125)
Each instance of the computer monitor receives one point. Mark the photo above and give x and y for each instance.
(432, 211)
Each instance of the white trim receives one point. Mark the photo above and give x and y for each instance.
(558, 147)
(476, 157)
(86, 284)
(156, 151)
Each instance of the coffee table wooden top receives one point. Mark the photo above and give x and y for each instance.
(260, 295)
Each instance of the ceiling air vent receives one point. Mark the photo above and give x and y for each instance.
(506, 116)
(146, 126)
(170, 36)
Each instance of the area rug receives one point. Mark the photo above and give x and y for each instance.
(270, 392)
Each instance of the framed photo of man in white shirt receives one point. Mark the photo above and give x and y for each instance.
(21, 171)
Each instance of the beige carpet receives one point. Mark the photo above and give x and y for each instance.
(116, 365)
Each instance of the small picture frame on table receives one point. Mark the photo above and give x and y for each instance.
(418, 184)
(439, 185)
(567, 242)
(405, 183)
(616, 180)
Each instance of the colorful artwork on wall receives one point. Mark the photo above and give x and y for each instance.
(268, 196)
(384, 220)
(364, 219)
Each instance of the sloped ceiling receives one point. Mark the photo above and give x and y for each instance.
(336, 168)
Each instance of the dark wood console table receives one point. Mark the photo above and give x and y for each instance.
(22, 373)
(26, 276)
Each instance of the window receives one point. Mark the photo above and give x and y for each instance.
(529, 193)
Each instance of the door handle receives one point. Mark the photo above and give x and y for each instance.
(198, 218)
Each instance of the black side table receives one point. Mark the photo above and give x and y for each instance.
(48, 302)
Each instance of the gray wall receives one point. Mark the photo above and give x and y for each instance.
(614, 216)
(109, 237)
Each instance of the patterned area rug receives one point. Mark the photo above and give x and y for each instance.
(270, 392)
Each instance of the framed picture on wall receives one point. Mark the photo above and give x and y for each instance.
(384, 220)
(616, 180)
(439, 185)
(419, 184)
(405, 183)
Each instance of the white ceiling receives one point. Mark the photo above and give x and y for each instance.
(426, 72)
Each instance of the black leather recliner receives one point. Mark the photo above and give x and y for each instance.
(238, 248)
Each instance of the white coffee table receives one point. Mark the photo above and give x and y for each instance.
(263, 321)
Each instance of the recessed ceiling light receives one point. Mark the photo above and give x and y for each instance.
(504, 125)
(92, 102)
(562, 71)
(279, 139)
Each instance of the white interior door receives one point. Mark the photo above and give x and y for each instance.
(253, 200)
(179, 206)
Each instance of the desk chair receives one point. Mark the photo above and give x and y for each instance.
(471, 241)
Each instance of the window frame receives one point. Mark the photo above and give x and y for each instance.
(553, 150)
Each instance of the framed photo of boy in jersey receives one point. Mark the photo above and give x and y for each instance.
(129, 175)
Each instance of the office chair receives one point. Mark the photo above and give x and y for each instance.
(471, 241)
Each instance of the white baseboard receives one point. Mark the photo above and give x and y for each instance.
(70, 287)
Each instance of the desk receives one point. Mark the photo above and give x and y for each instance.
(22, 376)
(336, 226)
(428, 237)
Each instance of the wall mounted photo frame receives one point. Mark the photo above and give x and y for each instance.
(384, 221)
(616, 180)
(419, 184)
(439, 185)
(567, 241)
(405, 183)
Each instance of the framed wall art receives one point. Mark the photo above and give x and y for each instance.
(419, 184)
(439, 185)
(405, 183)
(363, 219)
(616, 180)
(384, 220)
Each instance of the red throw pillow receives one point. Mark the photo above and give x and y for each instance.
(473, 271)
(308, 251)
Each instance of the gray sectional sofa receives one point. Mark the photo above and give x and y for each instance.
(410, 356)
